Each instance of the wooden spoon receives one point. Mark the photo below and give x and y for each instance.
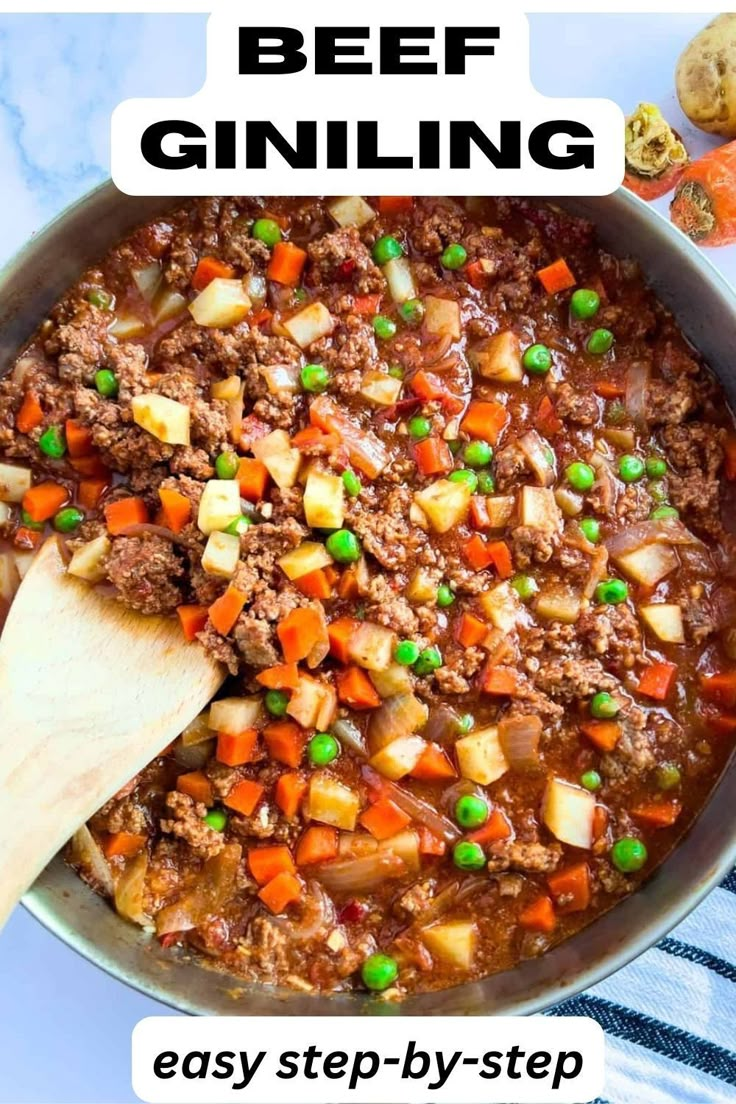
(89, 693)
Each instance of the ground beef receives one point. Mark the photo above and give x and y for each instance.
(256, 642)
(80, 345)
(342, 255)
(533, 545)
(438, 230)
(668, 403)
(568, 680)
(146, 572)
(575, 406)
(613, 633)
(187, 822)
(532, 857)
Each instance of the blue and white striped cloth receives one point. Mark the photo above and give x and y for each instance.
(670, 1017)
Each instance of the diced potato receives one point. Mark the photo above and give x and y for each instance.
(221, 555)
(503, 607)
(228, 388)
(283, 462)
(14, 482)
(500, 510)
(453, 943)
(665, 621)
(148, 280)
(650, 564)
(539, 510)
(399, 757)
(165, 419)
(169, 304)
(480, 756)
(417, 516)
(445, 503)
(372, 646)
(624, 439)
(557, 603)
(313, 704)
(395, 679)
(400, 279)
(442, 317)
(223, 303)
(6, 513)
(351, 211)
(309, 325)
(331, 802)
(234, 715)
(282, 378)
(127, 326)
(406, 845)
(87, 561)
(324, 500)
(499, 358)
(380, 388)
(570, 503)
(422, 587)
(568, 812)
(309, 556)
(9, 577)
(219, 504)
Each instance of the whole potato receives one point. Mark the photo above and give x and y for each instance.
(706, 77)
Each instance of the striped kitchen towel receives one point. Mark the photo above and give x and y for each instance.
(670, 1016)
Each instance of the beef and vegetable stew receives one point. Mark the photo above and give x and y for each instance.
(446, 490)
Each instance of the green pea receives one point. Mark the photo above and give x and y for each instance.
(468, 856)
(668, 776)
(478, 454)
(68, 519)
(386, 249)
(428, 661)
(216, 819)
(657, 491)
(454, 447)
(611, 592)
(584, 303)
(656, 467)
(378, 972)
(226, 465)
(396, 371)
(314, 378)
(599, 342)
(100, 298)
(580, 476)
(591, 529)
(465, 475)
(486, 483)
(28, 521)
(537, 359)
(628, 854)
(322, 749)
(412, 311)
(106, 383)
(663, 512)
(603, 707)
(591, 780)
(238, 525)
(406, 653)
(351, 483)
(525, 586)
(466, 722)
(276, 702)
(631, 468)
(299, 295)
(454, 256)
(445, 596)
(343, 546)
(267, 231)
(471, 811)
(419, 427)
(52, 442)
(384, 327)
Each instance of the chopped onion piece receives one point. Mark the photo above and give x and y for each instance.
(637, 379)
(86, 853)
(148, 280)
(400, 715)
(659, 531)
(130, 888)
(519, 739)
(194, 756)
(418, 810)
(360, 875)
(350, 736)
(282, 378)
(215, 886)
(536, 454)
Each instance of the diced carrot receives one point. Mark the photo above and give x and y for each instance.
(281, 891)
(556, 277)
(226, 609)
(253, 478)
(44, 500)
(367, 304)
(720, 687)
(355, 689)
(384, 819)
(501, 559)
(193, 620)
(91, 467)
(571, 888)
(433, 456)
(485, 421)
(657, 680)
(546, 422)
(429, 844)
(244, 796)
(234, 749)
(197, 786)
(315, 584)
(471, 630)
(314, 435)
(539, 916)
(284, 676)
(125, 844)
(395, 205)
(604, 735)
(729, 467)
(318, 844)
(78, 438)
(285, 741)
(30, 414)
(434, 765)
(497, 827)
(27, 538)
(289, 793)
(209, 269)
(499, 680)
(299, 631)
(347, 587)
(286, 264)
(90, 491)
(609, 389)
(340, 633)
(479, 516)
(261, 317)
(658, 814)
(177, 509)
(266, 862)
(123, 512)
(428, 387)
(478, 273)
(722, 724)
(476, 552)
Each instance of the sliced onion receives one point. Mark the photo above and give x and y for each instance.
(317, 914)
(215, 886)
(360, 875)
(198, 730)
(660, 531)
(148, 280)
(519, 739)
(535, 451)
(418, 810)
(605, 483)
(435, 349)
(442, 726)
(459, 789)
(194, 756)
(598, 570)
(350, 736)
(637, 380)
(148, 528)
(130, 889)
(398, 716)
(86, 854)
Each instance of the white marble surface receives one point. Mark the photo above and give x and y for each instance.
(64, 1025)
